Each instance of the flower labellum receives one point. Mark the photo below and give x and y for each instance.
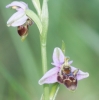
(63, 72)
(23, 29)
(19, 19)
(67, 77)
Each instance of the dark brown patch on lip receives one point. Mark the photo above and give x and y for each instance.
(22, 30)
(68, 78)
(70, 83)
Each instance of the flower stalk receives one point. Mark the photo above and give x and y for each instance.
(43, 38)
(54, 91)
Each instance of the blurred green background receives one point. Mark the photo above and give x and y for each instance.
(76, 22)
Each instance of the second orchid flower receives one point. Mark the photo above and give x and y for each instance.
(63, 72)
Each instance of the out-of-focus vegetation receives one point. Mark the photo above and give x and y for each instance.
(76, 22)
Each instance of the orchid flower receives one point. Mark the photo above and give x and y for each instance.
(63, 72)
(19, 19)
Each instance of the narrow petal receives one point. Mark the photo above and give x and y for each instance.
(80, 74)
(19, 4)
(20, 22)
(50, 76)
(16, 16)
(73, 68)
(58, 57)
(70, 62)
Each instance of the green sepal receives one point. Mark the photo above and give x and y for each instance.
(37, 6)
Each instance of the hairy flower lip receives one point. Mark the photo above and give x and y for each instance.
(51, 76)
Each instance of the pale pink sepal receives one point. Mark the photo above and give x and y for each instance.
(58, 57)
(20, 22)
(80, 75)
(50, 76)
(18, 4)
(15, 17)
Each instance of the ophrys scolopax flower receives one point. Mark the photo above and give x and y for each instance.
(63, 72)
(19, 19)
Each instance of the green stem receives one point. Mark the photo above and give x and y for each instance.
(44, 57)
(54, 91)
(43, 38)
(44, 65)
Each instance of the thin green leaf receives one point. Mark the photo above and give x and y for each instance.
(35, 18)
(54, 91)
(37, 6)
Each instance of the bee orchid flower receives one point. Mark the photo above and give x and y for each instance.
(19, 19)
(63, 72)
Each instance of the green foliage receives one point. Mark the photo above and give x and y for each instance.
(76, 22)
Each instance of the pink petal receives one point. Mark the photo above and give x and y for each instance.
(70, 62)
(20, 22)
(80, 74)
(73, 68)
(50, 76)
(24, 4)
(19, 4)
(16, 16)
(58, 57)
